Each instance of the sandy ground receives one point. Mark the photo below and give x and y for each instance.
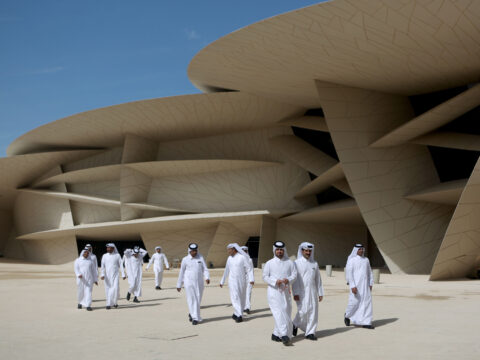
(414, 318)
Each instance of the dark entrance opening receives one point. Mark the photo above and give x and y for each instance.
(253, 243)
(99, 246)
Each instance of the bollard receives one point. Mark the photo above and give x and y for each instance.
(328, 269)
(376, 276)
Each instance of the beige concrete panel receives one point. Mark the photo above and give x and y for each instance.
(432, 119)
(165, 119)
(157, 169)
(247, 222)
(337, 212)
(134, 187)
(54, 251)
(333, 242)
(74, 197)
(6, 226)
(323, 181)
(22, 170)
(461, 245)
(138, 149)
(380, 177)
(33, 213)
(247, 145)
(271, 188)
(303, 154)
(102, 189)
(89, 175)
(175, 243)
(444, 193)
(225, 234)
(343, 186)
(411, 48)
(152, 207)
(268, 236)
(450, 140)
(102, 158)
(307, 122)
(93, 213)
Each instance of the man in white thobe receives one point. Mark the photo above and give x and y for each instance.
(248, 297)
(279, 273)
(110, 266)
(134, 265)
(238, 270)
(360, 279)
(159, 260)
(307, 291)
(192, 272)
(87, 275)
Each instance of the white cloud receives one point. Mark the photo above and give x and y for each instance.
(191, 34)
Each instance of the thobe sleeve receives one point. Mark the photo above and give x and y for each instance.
(181, 274)
(120, 263)
(296, 286)
(350, 277)
(293, 275)
(249, 270)
(165, 261)
(370, 274)
(102, 267)
(143, 252)
(319, 282)
(206, 273)
(96, 267)
(267, 276)
(94, 272)
(225, 273)
(76, 268)
(151, 261)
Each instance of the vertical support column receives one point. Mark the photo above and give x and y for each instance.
(268, 235)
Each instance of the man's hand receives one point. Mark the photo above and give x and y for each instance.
(320, 298)
(285, 281)
(252, 282)
(296, 297)
(279, 282)
(354, 290)
(102, 277)
(124, 277)
(179, 289)
(207, 281)
(80, 276)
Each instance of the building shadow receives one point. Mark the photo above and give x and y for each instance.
(257, 317)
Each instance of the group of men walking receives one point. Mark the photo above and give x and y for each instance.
(284, 277)
(112, 264)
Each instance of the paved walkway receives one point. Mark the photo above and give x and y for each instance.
(415, 319)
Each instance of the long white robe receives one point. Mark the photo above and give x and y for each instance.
(279, 297)
(84, 266)
(158, 261)
(308, 286)
(238, 270)
(134, 271)
(110, 266)
(192, 272)
(359, 273)
(248, 296)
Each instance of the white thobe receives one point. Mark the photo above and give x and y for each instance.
(279, 297)
(134, 271)
(248, 298)
(158, 260)
(359, 309)
(89, 274)
(238, 270)
(192, 272)
(308, 286)
(111, 264)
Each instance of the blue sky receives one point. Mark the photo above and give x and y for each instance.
(61, 57)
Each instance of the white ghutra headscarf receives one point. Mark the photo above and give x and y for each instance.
(280, 245)
(306, 245)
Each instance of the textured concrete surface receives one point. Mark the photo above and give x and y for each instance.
(414, 319)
